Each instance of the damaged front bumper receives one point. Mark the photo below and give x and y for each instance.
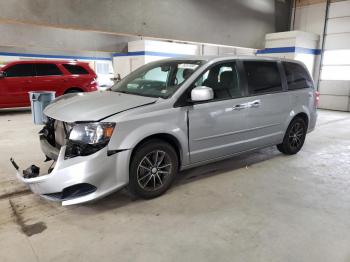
(82, 178)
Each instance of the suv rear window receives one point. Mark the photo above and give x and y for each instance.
(76, 69)
(297, 77)
(47, 70)
(262, 77)
(20, 70)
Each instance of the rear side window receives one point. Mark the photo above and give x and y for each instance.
(76, 69)
(47, 70)
(262, 77)
(297, 77)
(20, 70)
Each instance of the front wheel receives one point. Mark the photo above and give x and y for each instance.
(153, 168)
(294, 138)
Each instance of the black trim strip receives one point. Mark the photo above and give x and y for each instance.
(112, 152)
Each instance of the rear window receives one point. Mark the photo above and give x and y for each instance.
(297, 77)
(262, 77)
(47, 70)
(20, 70)
(76, 69)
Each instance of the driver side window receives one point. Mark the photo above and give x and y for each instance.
(223, 79)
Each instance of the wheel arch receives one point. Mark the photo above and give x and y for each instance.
(79, 89)
(303, 116)
(168, 138)
(302, 112)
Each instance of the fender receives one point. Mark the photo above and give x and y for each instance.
(131, 133)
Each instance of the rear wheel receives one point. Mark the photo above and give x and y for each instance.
(294, 138)
(73, 90)
(153, 168)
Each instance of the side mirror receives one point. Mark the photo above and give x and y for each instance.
(202, 93)
(2, 74)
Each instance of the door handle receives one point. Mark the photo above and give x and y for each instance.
(255, 103)
(240, 107)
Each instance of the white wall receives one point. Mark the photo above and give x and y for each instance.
(145, 51)
(296, 45)
(310, 18)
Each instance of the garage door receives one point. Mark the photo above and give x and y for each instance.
(335, 71)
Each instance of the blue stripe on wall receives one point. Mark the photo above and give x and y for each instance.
(55, 56)
(289, 49)
(142, 53)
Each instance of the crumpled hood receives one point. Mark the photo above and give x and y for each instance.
(93, 106)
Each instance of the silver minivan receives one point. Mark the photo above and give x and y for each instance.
(168, 116)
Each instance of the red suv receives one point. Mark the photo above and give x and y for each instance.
(19, 77)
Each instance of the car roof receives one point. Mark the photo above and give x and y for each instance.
(231, 57)
(49, 61)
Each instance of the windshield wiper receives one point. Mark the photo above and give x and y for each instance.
(140, 94)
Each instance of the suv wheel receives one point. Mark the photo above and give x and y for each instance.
(152, 169)
(294, 138)
(73, 90)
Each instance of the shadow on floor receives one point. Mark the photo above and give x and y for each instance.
(15, 111)
(123, 197)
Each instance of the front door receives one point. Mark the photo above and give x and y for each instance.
(217, 127)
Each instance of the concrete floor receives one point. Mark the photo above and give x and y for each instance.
(261, 206)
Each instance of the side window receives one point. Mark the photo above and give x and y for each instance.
(297, 77)
(75, 69)
(223, 79)
(20, 70)
(262, 77)
(47, 70)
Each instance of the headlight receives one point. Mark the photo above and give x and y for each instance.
(88, 138)
(92, 133)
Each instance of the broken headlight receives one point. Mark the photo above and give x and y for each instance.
(87, 138)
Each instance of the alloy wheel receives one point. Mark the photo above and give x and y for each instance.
(296, 134)
(153, 170)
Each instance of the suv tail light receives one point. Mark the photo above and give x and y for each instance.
(317, 98)
(94, 81)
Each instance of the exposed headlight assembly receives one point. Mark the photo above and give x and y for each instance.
(92, 133)
(87, 138)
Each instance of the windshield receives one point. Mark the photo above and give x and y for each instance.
(159, 79)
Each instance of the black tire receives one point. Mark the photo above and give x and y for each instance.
(73, 90)
(294, 137)
(148, 179)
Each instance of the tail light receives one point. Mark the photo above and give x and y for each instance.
(94, 81)
(317, 98)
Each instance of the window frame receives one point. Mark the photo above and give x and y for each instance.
(21, 64)
(201, 63)
(305, 71)
(75, 65)
(281, 73)
(36, 70)
(184, 101)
